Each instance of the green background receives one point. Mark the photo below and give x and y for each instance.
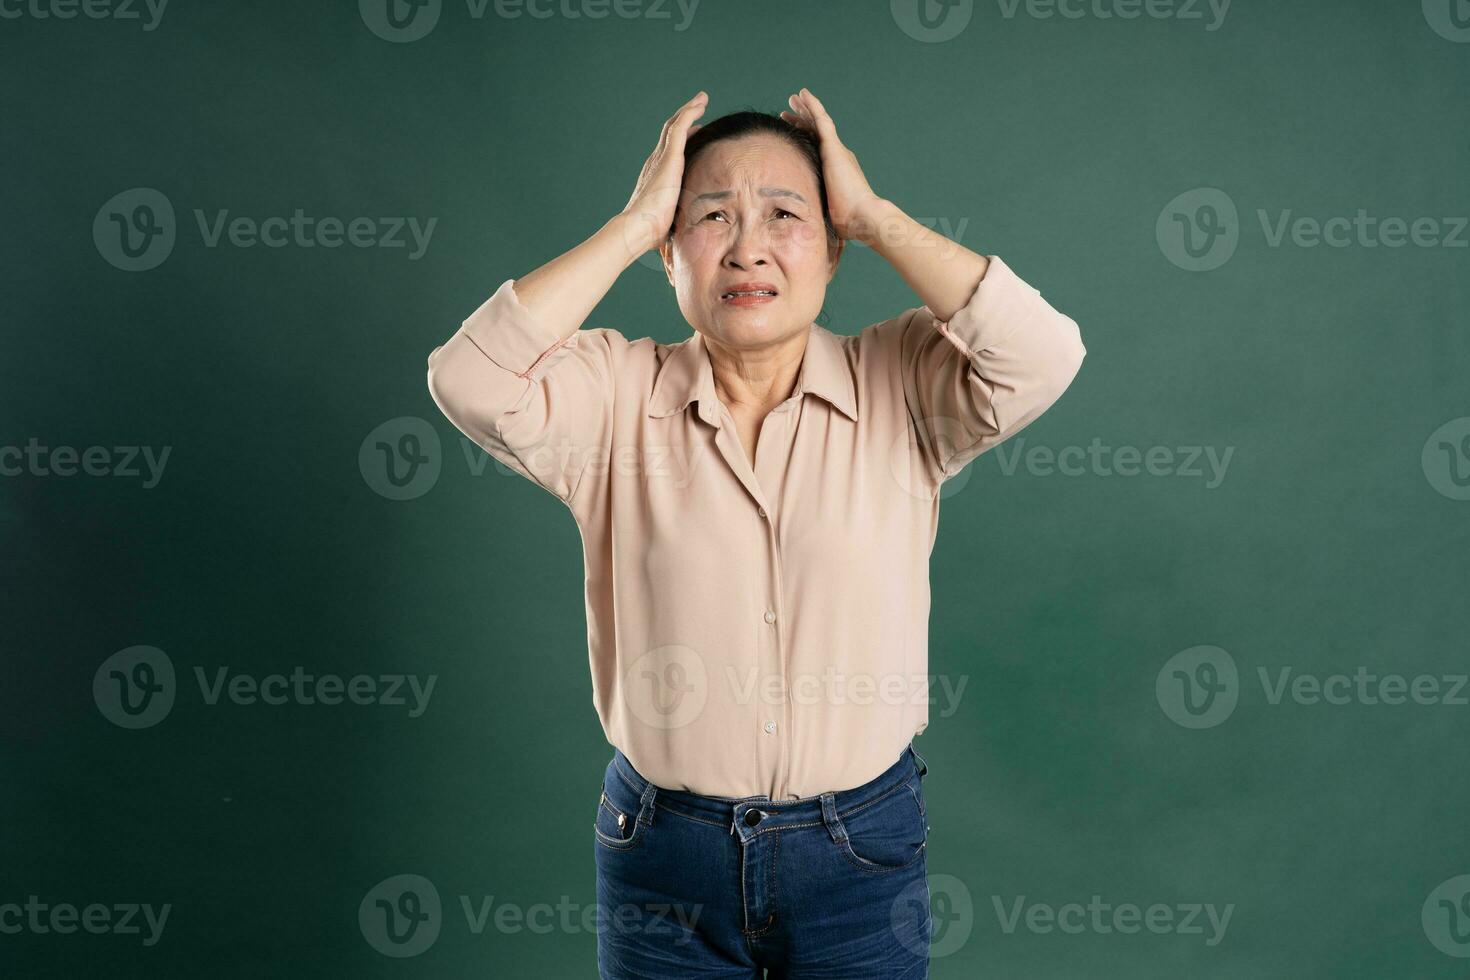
(1057, 142)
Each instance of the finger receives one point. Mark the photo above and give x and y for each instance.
(697, 103)
(695, 107)
(799, 118)
(677, 129)
(819, 112)
(691, 127)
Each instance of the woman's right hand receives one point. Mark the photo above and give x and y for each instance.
(650, 211)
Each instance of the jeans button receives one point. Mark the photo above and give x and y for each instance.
(753, 817)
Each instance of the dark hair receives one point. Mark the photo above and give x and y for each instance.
(749, 122)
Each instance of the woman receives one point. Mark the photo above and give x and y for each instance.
(757, 506)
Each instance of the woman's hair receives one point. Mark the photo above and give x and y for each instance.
(749, 122)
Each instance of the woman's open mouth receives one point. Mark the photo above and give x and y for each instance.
(749, 294)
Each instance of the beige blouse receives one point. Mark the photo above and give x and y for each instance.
(758, 630)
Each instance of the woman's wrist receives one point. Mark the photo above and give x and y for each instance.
(876, 223)
(635, 234)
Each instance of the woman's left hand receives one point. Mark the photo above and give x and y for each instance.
(850, 201)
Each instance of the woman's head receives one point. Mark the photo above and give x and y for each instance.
(752, 209)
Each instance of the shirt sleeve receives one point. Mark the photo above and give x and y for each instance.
(995, 366)
(539, 404)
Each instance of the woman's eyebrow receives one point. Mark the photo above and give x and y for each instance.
(764, 192)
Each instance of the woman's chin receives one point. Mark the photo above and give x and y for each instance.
(748, 328)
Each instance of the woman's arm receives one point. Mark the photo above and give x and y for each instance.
(986, 355)
(523, 380)
(520, 377)
(975, 379)
(562, 293)
(942, 272)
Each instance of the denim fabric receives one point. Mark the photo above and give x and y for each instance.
(829, 886)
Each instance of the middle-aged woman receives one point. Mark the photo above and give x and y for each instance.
(757, 506)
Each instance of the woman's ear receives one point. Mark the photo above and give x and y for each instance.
(666, 252)
(834, 256)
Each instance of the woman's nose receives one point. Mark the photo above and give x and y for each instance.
(748, 248)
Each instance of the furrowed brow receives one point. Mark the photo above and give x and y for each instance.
(764, 192)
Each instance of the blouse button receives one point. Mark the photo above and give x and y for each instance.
(770, 616)
(761, 511)
(770, 728)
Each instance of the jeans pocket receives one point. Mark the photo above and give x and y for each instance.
(890, 833)
(617, 826)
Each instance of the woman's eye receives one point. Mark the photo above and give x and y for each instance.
(779, 211)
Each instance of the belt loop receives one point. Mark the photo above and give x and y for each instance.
(645, 803)
(830, 818)
(923, 766)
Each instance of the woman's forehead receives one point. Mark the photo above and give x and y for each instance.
(750, 164)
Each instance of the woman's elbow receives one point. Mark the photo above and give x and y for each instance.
(443, 386)
(1068, 355)
(461, 389)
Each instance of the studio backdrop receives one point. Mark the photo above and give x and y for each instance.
(295, 676)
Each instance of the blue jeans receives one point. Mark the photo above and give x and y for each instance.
(692, 886)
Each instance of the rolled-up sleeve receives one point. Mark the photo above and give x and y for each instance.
(994, 367)
(539, 404)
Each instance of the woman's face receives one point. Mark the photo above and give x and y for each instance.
(749, 212)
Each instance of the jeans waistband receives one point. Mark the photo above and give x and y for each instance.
(751, 814)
